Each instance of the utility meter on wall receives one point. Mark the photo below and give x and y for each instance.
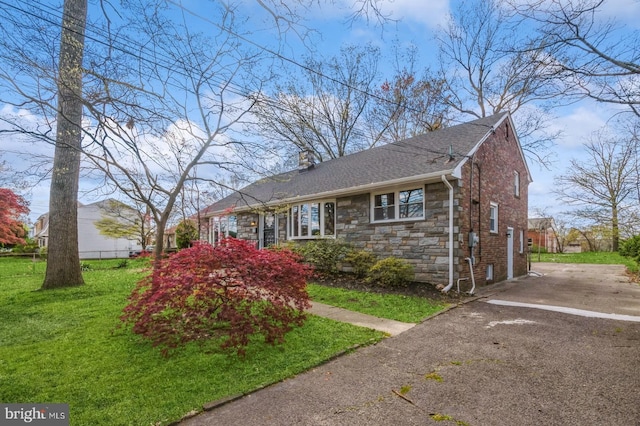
(473, 239)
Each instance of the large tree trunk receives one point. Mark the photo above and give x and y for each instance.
(63, 262)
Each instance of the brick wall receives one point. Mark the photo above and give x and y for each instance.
(489, 178)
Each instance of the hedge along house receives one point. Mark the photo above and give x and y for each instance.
(450, 202)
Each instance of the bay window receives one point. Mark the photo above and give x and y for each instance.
(222, 227)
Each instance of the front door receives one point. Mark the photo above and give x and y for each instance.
(509, 253)
(269, 225)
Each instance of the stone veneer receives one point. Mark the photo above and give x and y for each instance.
(424, 243)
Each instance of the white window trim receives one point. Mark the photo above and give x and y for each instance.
(494, 206)
(213, 224)
(290, 222)
(396, 192)
(516, 183)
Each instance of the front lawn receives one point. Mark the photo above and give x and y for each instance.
(391, 306)
(65, 346)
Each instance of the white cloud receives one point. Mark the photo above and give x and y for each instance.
(579, 124)
(432, 13)
(625, 11)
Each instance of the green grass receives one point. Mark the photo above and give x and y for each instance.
(18, 266)
(390, 306)
(65, 346)
(599, 258)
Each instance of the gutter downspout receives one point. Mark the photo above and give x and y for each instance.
(473, 280)
(446, 182)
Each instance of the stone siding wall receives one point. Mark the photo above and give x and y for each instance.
(246, 231)
(424, 243)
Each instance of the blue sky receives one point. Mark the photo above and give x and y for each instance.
(417, 21)
(416, 24)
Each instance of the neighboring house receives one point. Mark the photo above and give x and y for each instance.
(41, 230)
(170, 239)
(437, 200)
(170, 242)
(91, 244)
(541, 233)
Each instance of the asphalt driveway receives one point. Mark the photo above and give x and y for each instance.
(598, 288)
(479, 364)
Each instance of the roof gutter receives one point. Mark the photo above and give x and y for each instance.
(446, 182)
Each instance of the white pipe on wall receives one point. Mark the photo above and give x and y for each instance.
(473, 280)
(446, 182)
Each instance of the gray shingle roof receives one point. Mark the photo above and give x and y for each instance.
(418, 156)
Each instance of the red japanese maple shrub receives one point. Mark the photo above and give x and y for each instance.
(230, 292)
(12, 206)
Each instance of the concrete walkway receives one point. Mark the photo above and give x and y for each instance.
(388, 326)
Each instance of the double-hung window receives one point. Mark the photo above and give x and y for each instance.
(493, 218)
(312, 220)
(405, 204)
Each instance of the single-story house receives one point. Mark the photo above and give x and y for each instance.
(452, 202)
(91, 243)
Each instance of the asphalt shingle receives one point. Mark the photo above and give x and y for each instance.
(420, 155)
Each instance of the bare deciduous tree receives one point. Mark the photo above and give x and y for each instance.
(603, 186)
(488, 68)
(324, 111)
(179, 118)
(158, 101)
(408, 104)
(600, 56)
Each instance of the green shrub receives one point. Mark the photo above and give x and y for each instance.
(186, 233)
(324, 254)
(29, 247)
(361, 261)
(391, 272)
(630, 248)
(43, 252)
(122, 264)
(287, 245)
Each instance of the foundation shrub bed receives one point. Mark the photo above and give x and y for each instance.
(361, 261)
(324, 254)
(391, 272)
